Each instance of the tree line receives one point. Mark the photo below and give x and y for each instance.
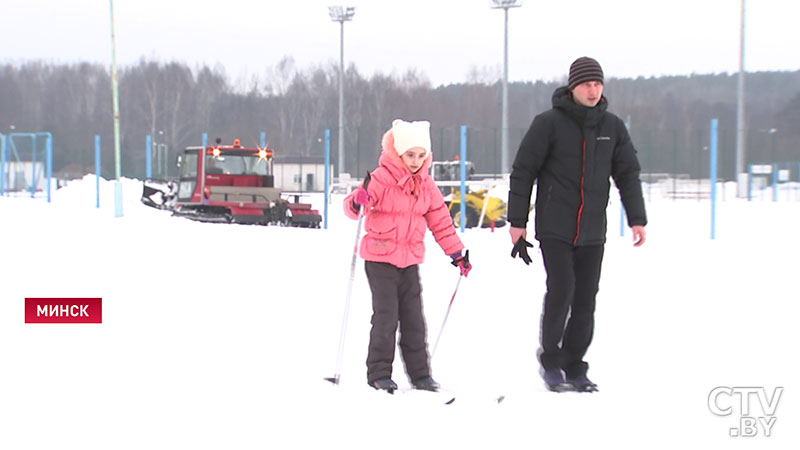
(668, 116)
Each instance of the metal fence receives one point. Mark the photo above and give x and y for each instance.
(676, 160)
(674, 153)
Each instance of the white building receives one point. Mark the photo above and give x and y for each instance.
(300, 173)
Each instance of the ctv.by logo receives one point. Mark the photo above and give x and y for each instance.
(723, 400)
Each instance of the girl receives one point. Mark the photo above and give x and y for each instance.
(399, 201)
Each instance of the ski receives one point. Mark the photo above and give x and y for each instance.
(441, 396)
(571, 387)
(582, 384)
(585, 388)
(560, 387)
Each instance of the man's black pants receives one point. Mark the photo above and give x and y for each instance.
(396, 297)
(573, 277)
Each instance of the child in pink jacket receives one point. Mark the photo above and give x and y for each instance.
(399, 202)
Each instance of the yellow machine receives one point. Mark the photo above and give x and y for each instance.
(480, 208)
(478, 203)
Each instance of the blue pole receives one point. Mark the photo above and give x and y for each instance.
(97, 167)
(327, 174)
(33, 167)
(148, 145)
(49, 150)
(712, 175)
(774, 182)
(13, 146)
(463, 176)
(262, 140)
(3, 164)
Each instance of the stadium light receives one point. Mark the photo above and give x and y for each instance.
(741, 132)
(505, 5)
(341, 14)
(115, 110)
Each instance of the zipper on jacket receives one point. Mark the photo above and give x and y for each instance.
(580, 208)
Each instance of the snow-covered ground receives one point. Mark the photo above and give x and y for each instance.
(219, 336)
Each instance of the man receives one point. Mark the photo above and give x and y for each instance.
(571, 151)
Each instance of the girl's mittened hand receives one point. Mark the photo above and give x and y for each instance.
(362, 197)
(462, 262)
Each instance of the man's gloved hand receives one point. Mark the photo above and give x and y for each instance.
(462, 262)
(521, 248)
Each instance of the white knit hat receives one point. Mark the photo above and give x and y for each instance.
(408, 135)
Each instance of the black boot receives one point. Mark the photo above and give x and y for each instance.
(426, 384)
(384, 384)
(554, 381)
(582, 383)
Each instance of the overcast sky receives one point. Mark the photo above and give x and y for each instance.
(444, 39)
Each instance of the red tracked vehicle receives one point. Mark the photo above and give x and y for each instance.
(228, 184)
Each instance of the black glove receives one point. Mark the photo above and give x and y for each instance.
(521, 247)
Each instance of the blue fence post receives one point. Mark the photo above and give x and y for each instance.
(3, 164)
(712, 175)
(327, 175)
(463, 166)
(774, 182)
(33, 167)
(49, 150)
(97, 167)
(148, 145)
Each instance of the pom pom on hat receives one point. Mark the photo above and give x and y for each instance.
(409, 135)
(584, 69)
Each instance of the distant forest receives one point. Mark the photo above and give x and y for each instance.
(669, 117)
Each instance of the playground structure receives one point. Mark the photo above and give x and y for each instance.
(777, 177)
(23, 168)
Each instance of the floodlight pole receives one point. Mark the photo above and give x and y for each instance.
(341, 14)
(504, 157)
(115, 93)
(741, 176)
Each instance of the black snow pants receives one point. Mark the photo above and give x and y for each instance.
(573, 277)
(396, 297)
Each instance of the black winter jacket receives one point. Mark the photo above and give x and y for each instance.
(572, 150)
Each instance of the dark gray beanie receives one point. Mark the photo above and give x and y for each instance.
(584, 69)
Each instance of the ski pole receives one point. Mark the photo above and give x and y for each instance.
(335, 378)
(445, 316)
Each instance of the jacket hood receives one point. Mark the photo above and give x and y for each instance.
(562, 100)
(390, 160)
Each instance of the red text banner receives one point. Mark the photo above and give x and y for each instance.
(63, 310)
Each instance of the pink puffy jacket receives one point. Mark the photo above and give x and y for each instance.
(401, 206)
